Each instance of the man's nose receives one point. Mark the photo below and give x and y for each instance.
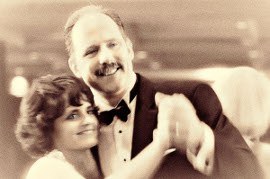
(105, 56)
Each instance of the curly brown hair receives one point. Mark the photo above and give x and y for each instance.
(45, 101)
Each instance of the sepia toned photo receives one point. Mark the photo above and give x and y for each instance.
(134, 89)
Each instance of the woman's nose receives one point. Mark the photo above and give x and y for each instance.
(89, 119)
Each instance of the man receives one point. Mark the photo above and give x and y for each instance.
(101, 54)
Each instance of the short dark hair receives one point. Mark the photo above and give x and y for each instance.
(91, 9)
(45, 101)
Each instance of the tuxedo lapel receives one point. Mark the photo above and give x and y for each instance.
(145, 116)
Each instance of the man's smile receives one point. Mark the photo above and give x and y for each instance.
(107, 71)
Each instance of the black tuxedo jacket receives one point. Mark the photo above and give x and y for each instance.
(233, 158)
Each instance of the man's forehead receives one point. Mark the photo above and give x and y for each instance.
(92, 20)
(91, 29)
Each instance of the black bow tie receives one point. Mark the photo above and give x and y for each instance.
(121, 111)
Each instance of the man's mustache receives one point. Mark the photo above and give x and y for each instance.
(106, 69)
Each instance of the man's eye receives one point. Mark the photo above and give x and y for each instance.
(112, 44)
(91, 52)
(73, 116)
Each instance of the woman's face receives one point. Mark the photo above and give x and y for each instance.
(77, 128)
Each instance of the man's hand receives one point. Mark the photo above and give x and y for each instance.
(178, 115)
(178, 120)
(203, 160)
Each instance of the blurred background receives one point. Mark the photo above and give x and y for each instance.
(173, 40)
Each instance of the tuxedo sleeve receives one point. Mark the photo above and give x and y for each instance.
(233, 157)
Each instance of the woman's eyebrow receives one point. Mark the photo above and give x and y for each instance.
(72, 111)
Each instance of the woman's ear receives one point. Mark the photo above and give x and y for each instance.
(73, 67)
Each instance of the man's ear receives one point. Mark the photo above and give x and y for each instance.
(73, 67)
(130, 48)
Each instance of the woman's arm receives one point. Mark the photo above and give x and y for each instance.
(146, 163)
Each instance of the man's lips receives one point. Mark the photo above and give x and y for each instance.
(107, 71)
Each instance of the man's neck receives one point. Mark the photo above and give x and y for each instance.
(113, 99)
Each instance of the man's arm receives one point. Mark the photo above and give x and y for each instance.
(188, 134)
(232, 156)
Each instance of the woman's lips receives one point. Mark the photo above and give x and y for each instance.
(87, 131)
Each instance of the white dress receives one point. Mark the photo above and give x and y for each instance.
(53, 166)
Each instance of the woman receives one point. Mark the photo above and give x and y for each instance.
(245, 97)
(58, 123)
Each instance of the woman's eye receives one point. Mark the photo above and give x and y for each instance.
(73, 116)
(91, 112)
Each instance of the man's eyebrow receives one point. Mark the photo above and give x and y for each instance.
(113, 40)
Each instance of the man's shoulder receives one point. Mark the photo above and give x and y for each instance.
(170, 86)
(195, 90)
(184, 86)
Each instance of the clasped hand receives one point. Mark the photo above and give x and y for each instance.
(180, 128)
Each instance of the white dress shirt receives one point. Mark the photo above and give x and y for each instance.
(115, 142)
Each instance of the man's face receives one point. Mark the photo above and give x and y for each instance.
(102, 56)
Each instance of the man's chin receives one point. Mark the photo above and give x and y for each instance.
(110, 89)
(104, 86)
(110, 84)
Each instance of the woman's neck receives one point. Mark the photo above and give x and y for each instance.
(84, 162)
